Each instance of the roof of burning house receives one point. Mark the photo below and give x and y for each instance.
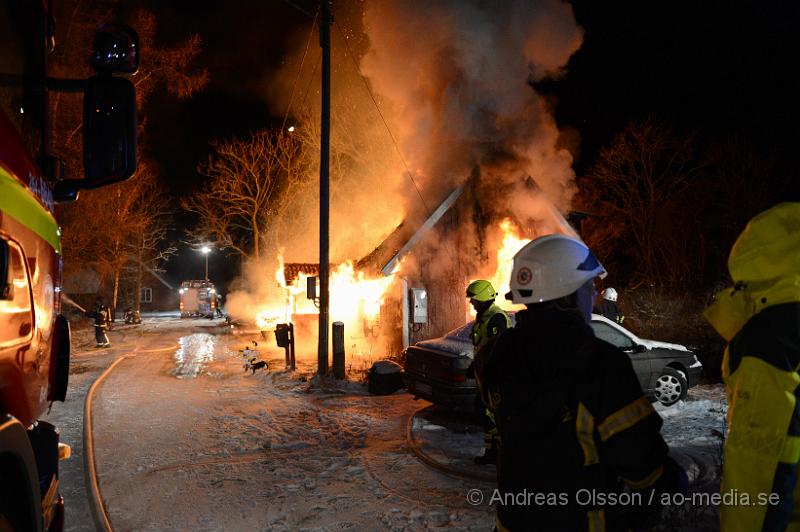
(292, 270)
(384, 258)
(374, 261)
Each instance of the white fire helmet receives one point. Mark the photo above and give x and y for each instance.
(551, 267)
(610, 294)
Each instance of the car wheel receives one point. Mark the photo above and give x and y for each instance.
(671, 386)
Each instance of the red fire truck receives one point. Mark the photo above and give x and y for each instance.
(198, 298)
(34, 336)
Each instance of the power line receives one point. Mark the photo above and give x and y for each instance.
(300, 70)
(310, 80)
(299, 8)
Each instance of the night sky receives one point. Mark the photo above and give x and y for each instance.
(705, 67)
(710, 67)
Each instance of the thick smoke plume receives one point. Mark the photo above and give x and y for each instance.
(459, 74)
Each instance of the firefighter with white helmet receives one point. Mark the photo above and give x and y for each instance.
(490, 321)
(609, 294)
(569, 407)
(608, 306)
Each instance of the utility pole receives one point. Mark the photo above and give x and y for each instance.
(324, 182)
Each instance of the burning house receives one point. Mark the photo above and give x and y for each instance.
(400, 292)
(461, 163)
(427, 296)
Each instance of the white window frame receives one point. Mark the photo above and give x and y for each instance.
(146, 295)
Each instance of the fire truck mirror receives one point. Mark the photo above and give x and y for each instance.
(115, 49)
(109, 131)
(311, 287)
(54, 168)
(67, 190)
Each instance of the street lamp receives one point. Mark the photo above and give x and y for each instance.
(205, 250)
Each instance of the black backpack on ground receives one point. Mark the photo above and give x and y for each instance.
(385, 377)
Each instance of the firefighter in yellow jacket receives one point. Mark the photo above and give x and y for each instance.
(490, 321)
(760, 318)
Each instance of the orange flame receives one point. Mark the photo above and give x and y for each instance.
(505, 260)
(353, 296)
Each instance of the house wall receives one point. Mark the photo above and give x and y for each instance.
(444, 278)
(163, 299)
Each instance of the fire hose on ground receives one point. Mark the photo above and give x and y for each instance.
(99, 512)
(101, 518)
(435, 464)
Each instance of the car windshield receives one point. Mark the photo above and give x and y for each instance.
(611, 335)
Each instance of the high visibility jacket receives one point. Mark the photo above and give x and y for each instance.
(574, 423)
(487, 328)
(491, 322)
(760, 318)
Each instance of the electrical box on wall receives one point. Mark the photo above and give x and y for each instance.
(419, 305)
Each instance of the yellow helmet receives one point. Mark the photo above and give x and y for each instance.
(481, 290)
(765, 266)
(768, 247)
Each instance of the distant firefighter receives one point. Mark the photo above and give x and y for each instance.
(102, 317)
(608, 306)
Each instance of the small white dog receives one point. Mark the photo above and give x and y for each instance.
(251, 361)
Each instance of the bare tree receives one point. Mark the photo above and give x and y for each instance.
(117, 228)
(102, 228)
(150, 226)
(244, 176)
(170, 67)
(727, 198)
(639, 181)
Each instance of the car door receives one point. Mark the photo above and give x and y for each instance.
(639, 357)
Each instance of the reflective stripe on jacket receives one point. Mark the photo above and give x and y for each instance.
(762, 450)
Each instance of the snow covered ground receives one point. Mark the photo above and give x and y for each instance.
(186, 439)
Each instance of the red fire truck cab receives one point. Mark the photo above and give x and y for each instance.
(34, 336)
